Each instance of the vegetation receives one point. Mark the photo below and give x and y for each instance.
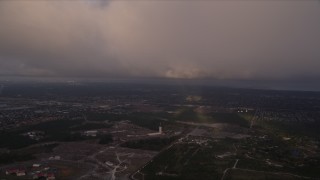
(147, 120)
(42, 148)
(231, 118)
(153, 144)
(294, 129)
(189, 161)
(189, 114)
(90, 126)
(59, 130)
(69, 137)
(106, 139)
(54, 127)
(14, 141)
(11, 157)
(103, 117)
(245, 174)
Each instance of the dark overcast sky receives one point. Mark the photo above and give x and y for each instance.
(275, 40)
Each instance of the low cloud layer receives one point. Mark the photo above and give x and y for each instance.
(174, 39)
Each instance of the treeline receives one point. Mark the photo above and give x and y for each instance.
(60, 130)
(11, 157)
(14, 141)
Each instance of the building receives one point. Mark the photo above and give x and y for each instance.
(50, 176)
(91, 133)
(16, 171)
(36, 165)
(160, 129)
(157, 133)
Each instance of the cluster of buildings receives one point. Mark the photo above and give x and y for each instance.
(91, 133)
(47, 176)
(288, 116)
(37, 171)
(35, 135)
(16, 171)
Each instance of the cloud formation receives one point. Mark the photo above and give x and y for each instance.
(174, 39)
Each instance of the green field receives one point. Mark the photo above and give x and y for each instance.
(153, 144)
(90, 126)
(189, 161)
(190, 114)
(239, 174)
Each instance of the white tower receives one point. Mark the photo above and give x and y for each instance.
(160, 129)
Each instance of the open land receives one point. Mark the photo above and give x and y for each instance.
(122, 131)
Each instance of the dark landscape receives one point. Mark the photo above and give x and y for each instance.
(160, 89)
(111, 130)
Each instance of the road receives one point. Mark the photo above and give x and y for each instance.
(226, 170)
(253, 118)
(166, 148)
(235, 163)
(138, 171)
(113, 169)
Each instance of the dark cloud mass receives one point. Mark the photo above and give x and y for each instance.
(174, 39)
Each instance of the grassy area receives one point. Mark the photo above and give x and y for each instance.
(25, 153)
(14, 140)
(69, 170)
(239, 174)
(104, 117)
(10, 157)
(90, 126)
(190, 161)
(42, 148)
(154, 144)
(106, 139)
(171, 162)
(231, 118)
(148, 120)
(189, 114)
(292, 128)
(11, 177)
(63, 170)
(53, 127)
(246, 116)
(59, 130)
(255, 164)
